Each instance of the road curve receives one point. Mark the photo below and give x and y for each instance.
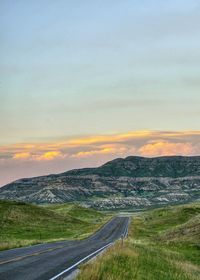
(48, 261)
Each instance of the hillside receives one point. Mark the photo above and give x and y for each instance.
(24, 224)
(133, 182)
(77, 212)
(133, 166)
(162, 244)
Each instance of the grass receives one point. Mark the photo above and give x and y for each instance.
(23, 224)
(163, 244)
(78, 212)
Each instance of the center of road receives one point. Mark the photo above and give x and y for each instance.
(30, 255)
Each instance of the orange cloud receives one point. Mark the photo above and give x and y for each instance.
(116, 138)
(45, 156)
(113, 149)
(21, 155)
(94, 152)
(49, 155)
(145, 143)
(166, 148)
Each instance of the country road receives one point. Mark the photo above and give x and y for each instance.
(57, 260)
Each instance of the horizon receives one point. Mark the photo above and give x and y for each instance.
(84, 83)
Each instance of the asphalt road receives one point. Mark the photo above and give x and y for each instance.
(45, 261)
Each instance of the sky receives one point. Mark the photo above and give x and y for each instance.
(83, 82)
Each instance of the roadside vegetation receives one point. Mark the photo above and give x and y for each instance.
(163, 244)
(23, 224)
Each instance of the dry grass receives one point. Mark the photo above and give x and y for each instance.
(189, 268)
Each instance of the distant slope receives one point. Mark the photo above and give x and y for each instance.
(122, 183)
(23, 224)
(77, 212)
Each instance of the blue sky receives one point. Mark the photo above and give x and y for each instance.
(78, 68)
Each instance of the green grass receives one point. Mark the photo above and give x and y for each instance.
(174, 228)
(163, 244)
(24, 224)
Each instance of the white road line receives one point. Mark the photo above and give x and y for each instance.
(82, 260)
(90, 255)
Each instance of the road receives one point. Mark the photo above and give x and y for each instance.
(54, 260)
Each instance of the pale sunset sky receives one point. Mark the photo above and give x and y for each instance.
(84, 82)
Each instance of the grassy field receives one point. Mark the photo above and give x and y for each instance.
(78, 212)
(163, 244)
(24, 224)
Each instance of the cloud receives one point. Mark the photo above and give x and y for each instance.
(21, 155)
(149, 143)
(114, 138)
(164, 148)
(94, 152)
(110, 149)
(49, 155)
(38, 157)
